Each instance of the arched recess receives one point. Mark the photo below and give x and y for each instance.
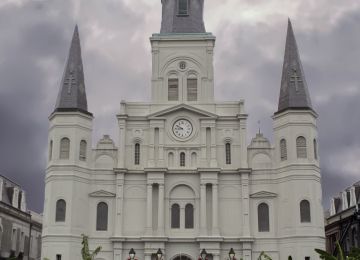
(181, 257)
(261, 161)
(104, 161)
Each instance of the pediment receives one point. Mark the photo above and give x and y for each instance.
(102, 193)
(183, 107)
(263, 194)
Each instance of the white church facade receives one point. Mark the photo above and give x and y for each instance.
(182, 177)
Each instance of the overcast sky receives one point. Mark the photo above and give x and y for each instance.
(35, 37)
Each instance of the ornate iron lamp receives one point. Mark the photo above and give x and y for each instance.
(132, 253)
(232, 254)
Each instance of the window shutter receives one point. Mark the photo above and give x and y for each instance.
(192, 89)
(283, 150)
(301, 147)
(173, 91)
(263, 218)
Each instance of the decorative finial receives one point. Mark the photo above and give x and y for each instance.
(259, 124)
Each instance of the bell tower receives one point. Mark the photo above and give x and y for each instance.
(182, 65)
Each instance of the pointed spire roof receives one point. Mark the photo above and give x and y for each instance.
(182, 16)
(294, 93)
(72, 95)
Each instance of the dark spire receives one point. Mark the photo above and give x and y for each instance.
(182, 16)
(72, 95)
(294, 93)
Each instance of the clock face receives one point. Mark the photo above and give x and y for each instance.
(182, 128)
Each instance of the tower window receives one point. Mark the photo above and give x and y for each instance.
(102, 217)
(60, 211)
(263, 218)
(228, 153)
(305, 215)
(315, 150)
(173, 90)
(301, 147)
(83, 147)
(175, 216)
(183, 7)
(65, 148)
(192, 89)
(137, 154)
(182, 159)
(283, 150)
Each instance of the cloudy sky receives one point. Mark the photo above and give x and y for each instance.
(35, 37)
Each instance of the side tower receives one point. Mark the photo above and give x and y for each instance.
(300, 212)
(66, 189)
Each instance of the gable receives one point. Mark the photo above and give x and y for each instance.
(183, 107)
(102, 193)
(263, 194)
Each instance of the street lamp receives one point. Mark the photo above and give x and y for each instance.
(232, 254)
(132, 253)
(159, 254)
(203, 254)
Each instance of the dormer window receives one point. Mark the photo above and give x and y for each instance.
(183, 7)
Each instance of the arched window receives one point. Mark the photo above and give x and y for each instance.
(173, 89)
(315, 149)
(263, 218)
(137, 154)
(182, 159)
(83, 147)
(192, 89)
(65, 148)
(228, 153)
(189, 216)
(175, 216)
(305, 215)
(102, 217)
(50, 150)
(301, 147)
(171, 159)
(60, 211)
(283, 150)
(193, 160)
(183, 7)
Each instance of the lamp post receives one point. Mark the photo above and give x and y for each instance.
(159, 254)
(232, 254)
(203, 254)
(132, 254)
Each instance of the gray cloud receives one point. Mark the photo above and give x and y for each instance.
(117, 61)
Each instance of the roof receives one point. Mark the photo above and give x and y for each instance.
(192, 22)
(72, 95)
(294, 92)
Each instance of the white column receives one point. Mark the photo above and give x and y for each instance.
(215, 210)
(161, 210)
(182, 216)
(149, 210)
(245, 203)
(119, 204)
(202, 157)
(161, 161)
(15, 198)
(1, 188)
(23, 201)
(213, 162)
(151, 160)
(122, 143)
(203, 209)
(243, 146)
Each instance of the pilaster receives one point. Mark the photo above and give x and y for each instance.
(119, 203)
(245, 203)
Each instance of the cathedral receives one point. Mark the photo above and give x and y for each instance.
(183, 182)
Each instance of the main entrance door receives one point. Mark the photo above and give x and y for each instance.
(182, 257)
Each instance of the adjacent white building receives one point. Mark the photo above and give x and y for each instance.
(183, 177)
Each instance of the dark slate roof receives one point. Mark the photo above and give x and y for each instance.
(72, 95)
(174, 23)
(294, 93)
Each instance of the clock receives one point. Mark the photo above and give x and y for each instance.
(182, 128)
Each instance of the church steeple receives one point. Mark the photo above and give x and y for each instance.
(72, 95)
(182, 16)
(294, 92)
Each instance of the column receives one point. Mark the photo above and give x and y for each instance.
(213, 162)
(161, 162)
(122, 143)
(118, 251)
(161, 210)
(245, 203)
(203, 209)
(202, 156)
(247, 251)
(151, 160)
(243, 146)
(149, 210)
(119, 204)
(15, 199)
(23, 201)
(215, 210)
(1, 188)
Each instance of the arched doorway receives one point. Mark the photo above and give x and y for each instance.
(181, 257)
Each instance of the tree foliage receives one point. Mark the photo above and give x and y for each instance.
(85, 251)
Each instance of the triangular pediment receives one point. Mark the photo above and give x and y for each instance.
(102, 193)
(263, 194)
(183, 107)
